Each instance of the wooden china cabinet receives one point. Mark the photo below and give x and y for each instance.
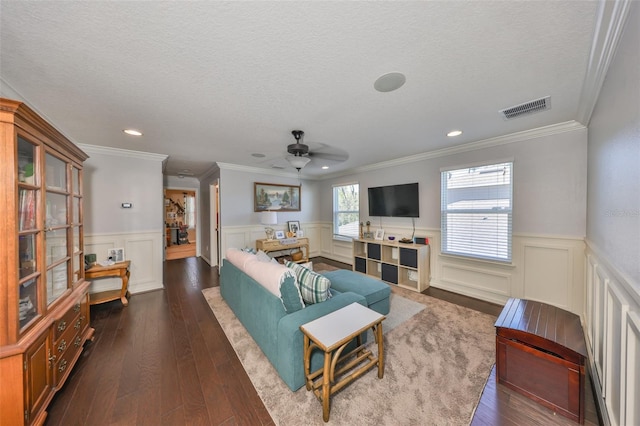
(44, 300)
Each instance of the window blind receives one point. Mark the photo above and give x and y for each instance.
(476, 211)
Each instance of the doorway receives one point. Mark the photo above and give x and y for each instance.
(180, 223)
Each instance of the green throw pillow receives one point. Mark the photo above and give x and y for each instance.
(314, 288)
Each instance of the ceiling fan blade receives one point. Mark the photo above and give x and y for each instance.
(327, 152)
(338, 157)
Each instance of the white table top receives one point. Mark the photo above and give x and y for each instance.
(330, 329)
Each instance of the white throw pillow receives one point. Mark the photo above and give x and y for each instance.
(272, 277)
(240, 258)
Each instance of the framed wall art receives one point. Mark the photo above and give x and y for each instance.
(275, 197)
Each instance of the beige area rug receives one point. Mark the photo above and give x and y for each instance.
(436, 365)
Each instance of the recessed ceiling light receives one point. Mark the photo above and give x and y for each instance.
(325, 167)
(133, 132)
(258, 155)
(389, 82)
(454, 133)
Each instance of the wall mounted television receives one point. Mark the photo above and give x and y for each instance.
(395, 200)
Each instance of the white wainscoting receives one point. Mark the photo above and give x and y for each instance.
(143, 249)
(548, 269)
(612, 323)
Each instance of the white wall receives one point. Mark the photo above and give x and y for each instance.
(612, 304)
(112, 177)
(176, 182)
(240, 225)
(549, 217)
(550, 183)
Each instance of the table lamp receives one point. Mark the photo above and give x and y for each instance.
(268, 218)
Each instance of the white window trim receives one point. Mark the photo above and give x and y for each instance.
(336, 236)
(508, 261)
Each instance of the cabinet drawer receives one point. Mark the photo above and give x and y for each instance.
(64, 364)
(65, 341)
(270, 245)
(67, 320)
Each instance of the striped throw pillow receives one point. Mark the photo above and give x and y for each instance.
(314, 287)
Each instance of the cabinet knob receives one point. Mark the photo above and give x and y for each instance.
(76, 308)
(62, 366)
(62, 325)
(78, 324)
(77, 342)
(62, 346)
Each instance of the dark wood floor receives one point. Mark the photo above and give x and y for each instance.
(164, 360)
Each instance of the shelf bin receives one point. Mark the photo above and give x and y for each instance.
(408, 257)
(374, 251)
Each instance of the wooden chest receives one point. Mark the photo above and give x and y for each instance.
(541, 353)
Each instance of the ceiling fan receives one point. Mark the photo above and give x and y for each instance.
(300, 154)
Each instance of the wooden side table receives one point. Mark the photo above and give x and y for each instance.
(331, 334)
(286, 244)
(121, 270)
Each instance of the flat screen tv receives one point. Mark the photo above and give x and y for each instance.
(395, 200)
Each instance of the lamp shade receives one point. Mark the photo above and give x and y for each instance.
(297, 161)
(268, 218)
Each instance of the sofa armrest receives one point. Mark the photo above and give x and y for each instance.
(290, 339)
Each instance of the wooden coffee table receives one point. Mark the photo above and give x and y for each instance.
(331, 334)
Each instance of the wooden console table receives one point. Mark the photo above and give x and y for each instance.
(541, 353)
(281, 245)
(121, 270)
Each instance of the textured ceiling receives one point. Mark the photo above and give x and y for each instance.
(217, 81)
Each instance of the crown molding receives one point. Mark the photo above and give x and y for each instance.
(117, 152)
(553, 129)
(609, 27)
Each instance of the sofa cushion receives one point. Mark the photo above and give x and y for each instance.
(314, 287)
(278, 280)
(372, 289)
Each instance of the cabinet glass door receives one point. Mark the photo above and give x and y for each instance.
(57, 225)
(76, 224)
(28, 232)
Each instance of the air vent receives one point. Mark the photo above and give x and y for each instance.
(275, 166)
(530, 107)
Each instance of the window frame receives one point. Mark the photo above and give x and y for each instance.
(499, 244)
(336, 212)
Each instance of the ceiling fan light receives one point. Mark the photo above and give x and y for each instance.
(298, 162)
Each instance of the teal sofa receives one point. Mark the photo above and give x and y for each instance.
(277, 332)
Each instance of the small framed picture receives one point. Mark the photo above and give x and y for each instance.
(294, 226)
(300, 233)
(116, 254)
(379, 234)
(279, 235)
